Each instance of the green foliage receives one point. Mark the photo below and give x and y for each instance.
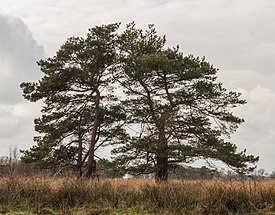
(158, 106)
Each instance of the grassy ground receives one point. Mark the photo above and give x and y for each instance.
(79, 211)
(45, 195)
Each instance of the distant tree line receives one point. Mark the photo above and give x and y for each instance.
(156, 107)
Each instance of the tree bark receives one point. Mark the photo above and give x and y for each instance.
(162, 167)
(91, 163)
(162, 153)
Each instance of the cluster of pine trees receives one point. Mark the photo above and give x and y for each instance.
(126, 89)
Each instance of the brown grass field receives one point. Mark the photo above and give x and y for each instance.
(66, 195)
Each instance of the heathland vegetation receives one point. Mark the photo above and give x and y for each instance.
(66, 195)
(26, 190)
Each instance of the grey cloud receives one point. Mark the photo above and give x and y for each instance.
(18, 55)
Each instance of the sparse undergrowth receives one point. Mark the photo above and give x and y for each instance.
(45, 195)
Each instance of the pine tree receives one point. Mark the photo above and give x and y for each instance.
(179, 112)
(78, 116)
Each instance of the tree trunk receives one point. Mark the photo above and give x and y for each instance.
(91, 163)
(162, 168)
(162, 153)
(162, 162)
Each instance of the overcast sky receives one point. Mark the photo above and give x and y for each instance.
(237, 36)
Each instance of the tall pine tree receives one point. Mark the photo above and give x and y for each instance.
(78, 116)
(177, 108)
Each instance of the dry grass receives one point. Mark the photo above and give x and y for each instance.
(38, 194)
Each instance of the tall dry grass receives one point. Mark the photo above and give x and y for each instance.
(175, 197)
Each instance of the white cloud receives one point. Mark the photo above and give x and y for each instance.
(257, 133)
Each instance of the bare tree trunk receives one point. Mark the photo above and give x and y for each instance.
(91, 163)
(13, 160)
